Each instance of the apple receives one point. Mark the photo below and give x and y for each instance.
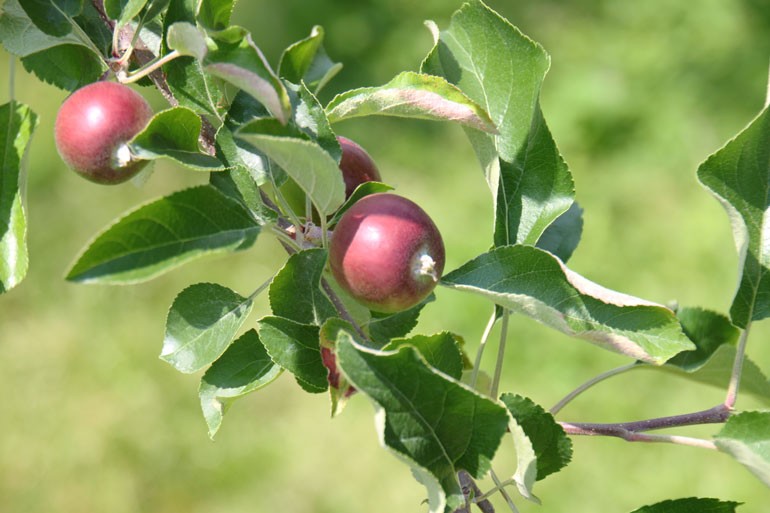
(356, 165)
(92, 128)
(387, 253)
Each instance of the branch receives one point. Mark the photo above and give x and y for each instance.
(634, 431)
(472, 494)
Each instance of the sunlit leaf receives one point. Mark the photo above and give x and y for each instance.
(746, 437)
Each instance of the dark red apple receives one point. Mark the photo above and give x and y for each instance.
(92, 127)
(356, 165)
(387, 253)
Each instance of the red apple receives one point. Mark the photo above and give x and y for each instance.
(93, 126)
(356, 165)
(387, 253)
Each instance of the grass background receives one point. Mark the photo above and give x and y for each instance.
(637, 96)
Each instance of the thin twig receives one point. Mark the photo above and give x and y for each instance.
(634, 436)
(500, 354)
(503, 491)
(735, 376)
(482, 346)
(472, 495)
(588, 384)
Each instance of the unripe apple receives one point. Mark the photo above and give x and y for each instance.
(93, 126)
(387, 253)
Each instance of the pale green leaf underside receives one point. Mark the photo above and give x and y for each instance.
(243, 368)
(165, 234)
(739, 176)
(746, 437)
(412, 95)
(533, 282)
(432, 422)
(314, 170)
(201, 323)
(17, 123)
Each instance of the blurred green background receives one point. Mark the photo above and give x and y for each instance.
(639, 93)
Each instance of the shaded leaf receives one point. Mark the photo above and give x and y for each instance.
(67, 67)
(690, 505)
(215, 14)
(173, 133)
(296, 348)
(123, 11)
(502, 70)
(432, 422)
(201, 323)
(21, 37)
(739, 176)
(17, 123)
(52, 16)
(165, 234)
(412, 95)
(295, 292)
(533, 282)
(542, 446)
(384, 327)
(243, 368)
(306, 61)
(562, 237)
(746, 437)
(185, 76)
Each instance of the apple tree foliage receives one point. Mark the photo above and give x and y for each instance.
(436, 409)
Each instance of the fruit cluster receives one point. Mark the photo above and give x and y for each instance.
(385, 251)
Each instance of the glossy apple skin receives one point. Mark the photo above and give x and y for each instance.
(93, 123)
(378, 251)
(356, 165)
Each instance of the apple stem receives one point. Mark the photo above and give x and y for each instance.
(482, 346)
(735, 376)
(500, 354)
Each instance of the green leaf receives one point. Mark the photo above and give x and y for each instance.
(746, 437)
(502, 70)
(711, 362)
(21, 37)
(690, 505)
(561, 238)
(244, 174)
(243, 368)
(310, 117)
(739, 176)
(154, 9)
(191, 86)
(412, 95)
(186, 39)
(67, 67)
(173, 133)
(296, 348)
(215, 14)
(542, 446)
(306, 62)
(17, 123)
(201, 323)
(52, 16)
(441, 351)
(123, 11)
(384, 327)
(432, 422)
(533, 282)
(165, 234)
(314, 170)
(234, 57)
(295, 292)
